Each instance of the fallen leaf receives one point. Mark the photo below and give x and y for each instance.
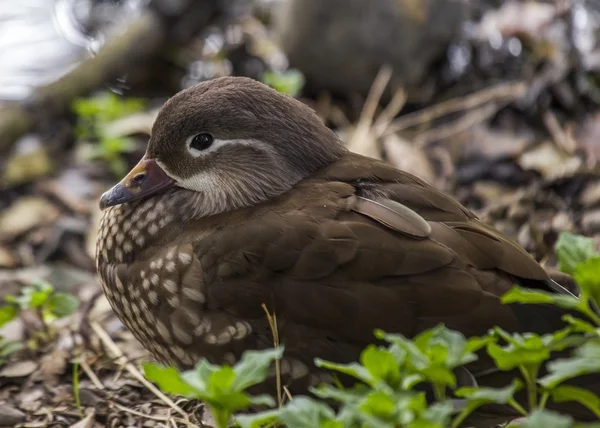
(18, 369)
(25, 214)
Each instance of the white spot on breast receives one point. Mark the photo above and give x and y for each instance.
(120, 237)
(170, 266)
(153, 229)
(140, 241)
(171, 254)
(193, 294)
(211, 339)
(203, 328)
(170, 285)
(182, 335)
(242, 329)
(156, 264)
(109, 242)
(163, 331)
(153, 297)
(128, 247)
(119, 284)
(174, 301)
(119, 254)
(154, 279)
(179, 352)
(184, 258)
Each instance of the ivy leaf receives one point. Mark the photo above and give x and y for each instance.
(573, 250)
(586, 360)
(525, 296)
(353, 369)
(381, 364)
(253, 367)
(168, 379)
(585, 397)
(289, 82)
(587, 275)
(477, 397)
(61, 304)
(547, 419)
(7, 314)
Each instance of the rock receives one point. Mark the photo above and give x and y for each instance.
(340, 45)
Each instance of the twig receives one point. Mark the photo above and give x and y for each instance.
(360, 142)
(121, 359)
(559, 136)
(90, 374)
(389, 112)
(506, 92)
(151, 417)
(460, 125)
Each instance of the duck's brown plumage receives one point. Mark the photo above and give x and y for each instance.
(353, 246)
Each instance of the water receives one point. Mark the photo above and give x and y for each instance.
(41, 40)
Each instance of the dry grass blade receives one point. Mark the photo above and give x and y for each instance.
(90, 373)
(467, 121)
(121, 359)
(505, 92)
(561, 138)
(272, 320)
(361, 140)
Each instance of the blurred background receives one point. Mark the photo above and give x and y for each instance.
(495, 102)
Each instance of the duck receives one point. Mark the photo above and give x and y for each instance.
(245, 201)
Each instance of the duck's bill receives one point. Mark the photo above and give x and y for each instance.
(145, 179)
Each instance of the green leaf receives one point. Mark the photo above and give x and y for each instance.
(483, 395)
(438, 414)
(221, 380)
(199, 378)
(381, 364)
(303, 412)
(380, 405)
(526, 296)
(579, 326)
(349, 396)
(289, 82)
(585, 361)
(253, 367)
(573, 250)
(7, 314)
(547, 419)
(587, 275)
(168, 380)
(352, 369)
(583, 396)
(257, 420)
(528, 349)
(62, 304)
(34, 296)
(9, 348)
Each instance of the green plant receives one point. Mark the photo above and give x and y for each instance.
(222, 388)
(389, 380)
(43, 300)
(94, 114)
(289, 82)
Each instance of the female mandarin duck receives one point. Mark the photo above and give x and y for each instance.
(244, 197)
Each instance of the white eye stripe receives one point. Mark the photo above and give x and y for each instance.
(216, 145)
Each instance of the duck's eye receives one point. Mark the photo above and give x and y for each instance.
(201, 141)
